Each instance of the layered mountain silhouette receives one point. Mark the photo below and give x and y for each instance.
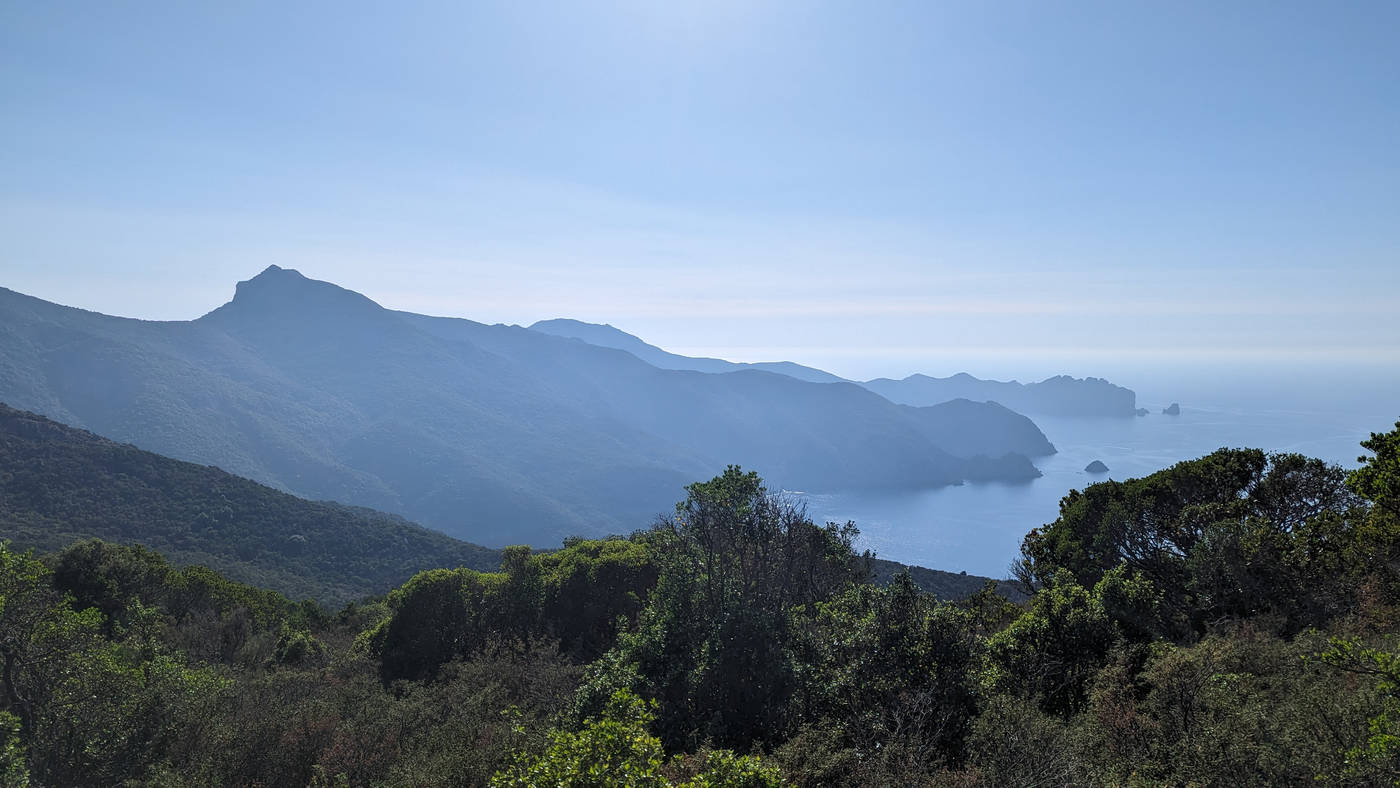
(607, 336)
(498, 434)
(1061, 395)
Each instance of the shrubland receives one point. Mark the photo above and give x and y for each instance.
(1230, 620)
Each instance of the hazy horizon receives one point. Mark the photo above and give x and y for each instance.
(255, 530)
(1195, 202)
(1272, 382)
(854, 187)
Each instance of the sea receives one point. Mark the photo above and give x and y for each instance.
(978, 528)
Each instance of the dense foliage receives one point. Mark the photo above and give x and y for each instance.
(1229, 621)
(59, 484)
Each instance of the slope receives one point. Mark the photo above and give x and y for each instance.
(496, 434)
(606, 336)
(62, 484)
(1061, 395)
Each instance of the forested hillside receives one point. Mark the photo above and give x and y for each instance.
(59, 484)
(1228, 621)
(491, 433)
(62, 484)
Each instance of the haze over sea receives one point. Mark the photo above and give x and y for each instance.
(1323, 410)
(1193, 200)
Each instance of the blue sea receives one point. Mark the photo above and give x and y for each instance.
(978, 527)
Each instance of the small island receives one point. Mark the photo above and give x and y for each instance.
(1141, 411)
(1096, 466)
(1172, 409)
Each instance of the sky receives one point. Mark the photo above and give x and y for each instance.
(877, 188)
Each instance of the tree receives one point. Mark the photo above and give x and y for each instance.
(747, 545)
(13, 771)
(1378, 481)
(612, 749)
(711, 644)
(36, 629)
(92, 711)
(111, 577)
(1051, 653)
(1378, 478)
(1379, 757)
(1235, 533)
(590, 586)
(615, 749)
(893, 671)
(437, 617)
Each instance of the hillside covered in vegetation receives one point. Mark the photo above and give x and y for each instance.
(63, 484)
(490, 433)
(59, 485)
(1228, 621)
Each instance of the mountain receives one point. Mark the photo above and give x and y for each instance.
(1058, 396)
(62, 484)
(498, 434)
(607, 336)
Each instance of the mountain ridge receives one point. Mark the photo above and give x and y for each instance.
(606, 335)
(493, 433)
(1059, 395)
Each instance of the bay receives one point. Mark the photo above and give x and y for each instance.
(978, 527)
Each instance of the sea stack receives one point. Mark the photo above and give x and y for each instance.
(1172, 409)
(1096, 466)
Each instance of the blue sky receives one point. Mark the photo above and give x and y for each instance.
(1014, 188)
